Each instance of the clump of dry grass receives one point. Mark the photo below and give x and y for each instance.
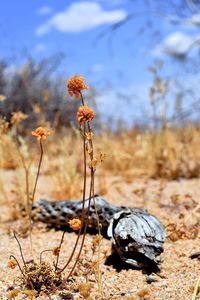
(40, 277)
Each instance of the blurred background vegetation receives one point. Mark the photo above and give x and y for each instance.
(146, 96)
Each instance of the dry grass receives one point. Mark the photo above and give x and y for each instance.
(170, 154)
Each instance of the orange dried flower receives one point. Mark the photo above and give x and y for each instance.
(56, 251)
(75, 85)
(12, 264)
(40, 133)
(84, 114)
(75, 224)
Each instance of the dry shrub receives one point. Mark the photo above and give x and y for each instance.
(170, 154)
(40, 277)
(175, 153)
(126, 152)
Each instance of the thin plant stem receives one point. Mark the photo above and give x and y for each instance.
(20, 268)
(38, 173)
(20, 249)
(83, 203)
(33, 194)
(84, 233)
(57, 259)
(99, 244)
(96, 212)
(82, 100)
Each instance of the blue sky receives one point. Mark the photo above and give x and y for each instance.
(43, 28)
(27, 25)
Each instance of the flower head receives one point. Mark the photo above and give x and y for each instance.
(12, 264)
(84, 114)
(75, 85)
(40, 133)
(56, 251)
(75, 224)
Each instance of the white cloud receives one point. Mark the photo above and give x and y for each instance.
(80, 17)
(194, 20)
(45, 10)
(176, 44)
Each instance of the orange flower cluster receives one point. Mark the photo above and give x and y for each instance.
(84, 114)
(40, 133)
(12, 264)
(75, 85)
(75, 224)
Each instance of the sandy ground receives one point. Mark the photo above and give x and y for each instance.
(171, 202)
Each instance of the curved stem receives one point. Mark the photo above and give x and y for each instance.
(47, 250)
